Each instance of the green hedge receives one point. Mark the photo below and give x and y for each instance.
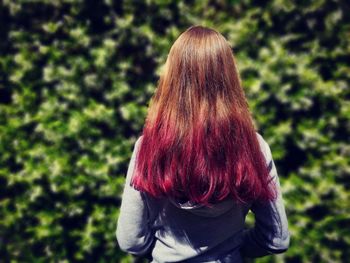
(76, 79)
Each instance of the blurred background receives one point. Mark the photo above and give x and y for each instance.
(75, 82)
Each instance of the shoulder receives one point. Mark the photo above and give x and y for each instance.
(261, 140)
(136, 148)
(138, 141)
(264, 146)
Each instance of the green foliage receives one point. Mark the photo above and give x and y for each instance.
(76, 79)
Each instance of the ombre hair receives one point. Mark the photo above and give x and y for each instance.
(199, 142)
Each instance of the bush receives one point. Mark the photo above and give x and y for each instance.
(76, 79)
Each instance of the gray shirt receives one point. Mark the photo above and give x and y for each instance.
(187, 232)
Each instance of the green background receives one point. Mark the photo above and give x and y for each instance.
(75, 82)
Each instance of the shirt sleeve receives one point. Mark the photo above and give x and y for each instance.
(133, 230)
(270, 234)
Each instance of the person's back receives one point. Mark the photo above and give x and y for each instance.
(199, 166)
(175, 231)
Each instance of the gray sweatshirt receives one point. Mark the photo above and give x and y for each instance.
(186, 232)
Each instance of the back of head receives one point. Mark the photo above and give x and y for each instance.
(199, 142)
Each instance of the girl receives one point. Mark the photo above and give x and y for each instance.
(199, 165)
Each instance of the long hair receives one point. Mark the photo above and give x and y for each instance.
(199, 143)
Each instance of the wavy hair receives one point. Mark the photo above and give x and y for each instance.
(199, 142)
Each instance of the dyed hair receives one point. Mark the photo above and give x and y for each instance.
(199, 143)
